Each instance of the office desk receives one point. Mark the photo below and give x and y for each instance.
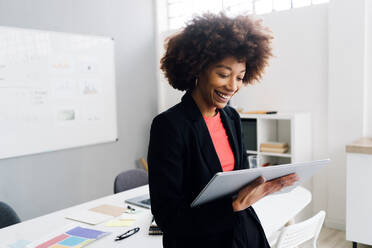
(274, 211)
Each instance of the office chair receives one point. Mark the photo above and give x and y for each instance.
(8, 216)
(296, 234)
(130, 179)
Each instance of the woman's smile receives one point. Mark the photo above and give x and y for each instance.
(221, 97)
(217, 84)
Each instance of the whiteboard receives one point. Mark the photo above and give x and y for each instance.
(57, 91)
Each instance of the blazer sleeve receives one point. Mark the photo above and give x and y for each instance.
(172, 212)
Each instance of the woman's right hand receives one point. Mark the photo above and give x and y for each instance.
(260, 188)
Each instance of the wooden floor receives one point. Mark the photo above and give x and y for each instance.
(331, 238)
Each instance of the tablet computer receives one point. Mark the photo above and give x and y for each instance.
(141, 201)
(229, 183)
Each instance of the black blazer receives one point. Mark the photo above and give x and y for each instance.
(182, 160)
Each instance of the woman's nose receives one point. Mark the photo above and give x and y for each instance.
(233, 85)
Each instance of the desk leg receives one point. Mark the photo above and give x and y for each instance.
(355, 244)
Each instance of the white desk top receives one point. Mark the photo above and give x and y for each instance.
(274, 212)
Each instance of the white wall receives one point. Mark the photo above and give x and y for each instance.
(297, 78)
(346, 98)
(39, 184)
(368, 113)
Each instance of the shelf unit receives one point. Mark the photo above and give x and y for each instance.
(292, 128)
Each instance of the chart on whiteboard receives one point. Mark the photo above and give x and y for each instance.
(57, 91)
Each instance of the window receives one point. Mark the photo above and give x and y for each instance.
(180, 11)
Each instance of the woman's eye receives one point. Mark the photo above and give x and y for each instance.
(223, 75)
(240, 79)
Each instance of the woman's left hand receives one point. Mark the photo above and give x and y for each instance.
(260, 188)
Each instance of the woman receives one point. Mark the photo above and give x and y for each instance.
(211, 59)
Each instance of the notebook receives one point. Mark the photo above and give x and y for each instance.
(154, 229)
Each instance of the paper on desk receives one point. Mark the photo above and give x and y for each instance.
(69, 236)
(120, 223)
(86, 233)
(19, 244)
(109, 210)
(89, 217)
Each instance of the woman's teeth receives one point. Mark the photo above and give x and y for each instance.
(221, 95)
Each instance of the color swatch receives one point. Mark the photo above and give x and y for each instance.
(86, 233)
(76, 237)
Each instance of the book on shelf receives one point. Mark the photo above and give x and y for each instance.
(273, 144)
(274, 147)
(274, 150)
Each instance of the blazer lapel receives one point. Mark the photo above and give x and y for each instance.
(207, 148)
(205, 141)
(229, 126)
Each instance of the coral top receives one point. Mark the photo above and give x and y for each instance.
(221, 142)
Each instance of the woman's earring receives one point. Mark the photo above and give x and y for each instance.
(196, 82)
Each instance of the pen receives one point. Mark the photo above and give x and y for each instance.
(131, 208)
(127, 234)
